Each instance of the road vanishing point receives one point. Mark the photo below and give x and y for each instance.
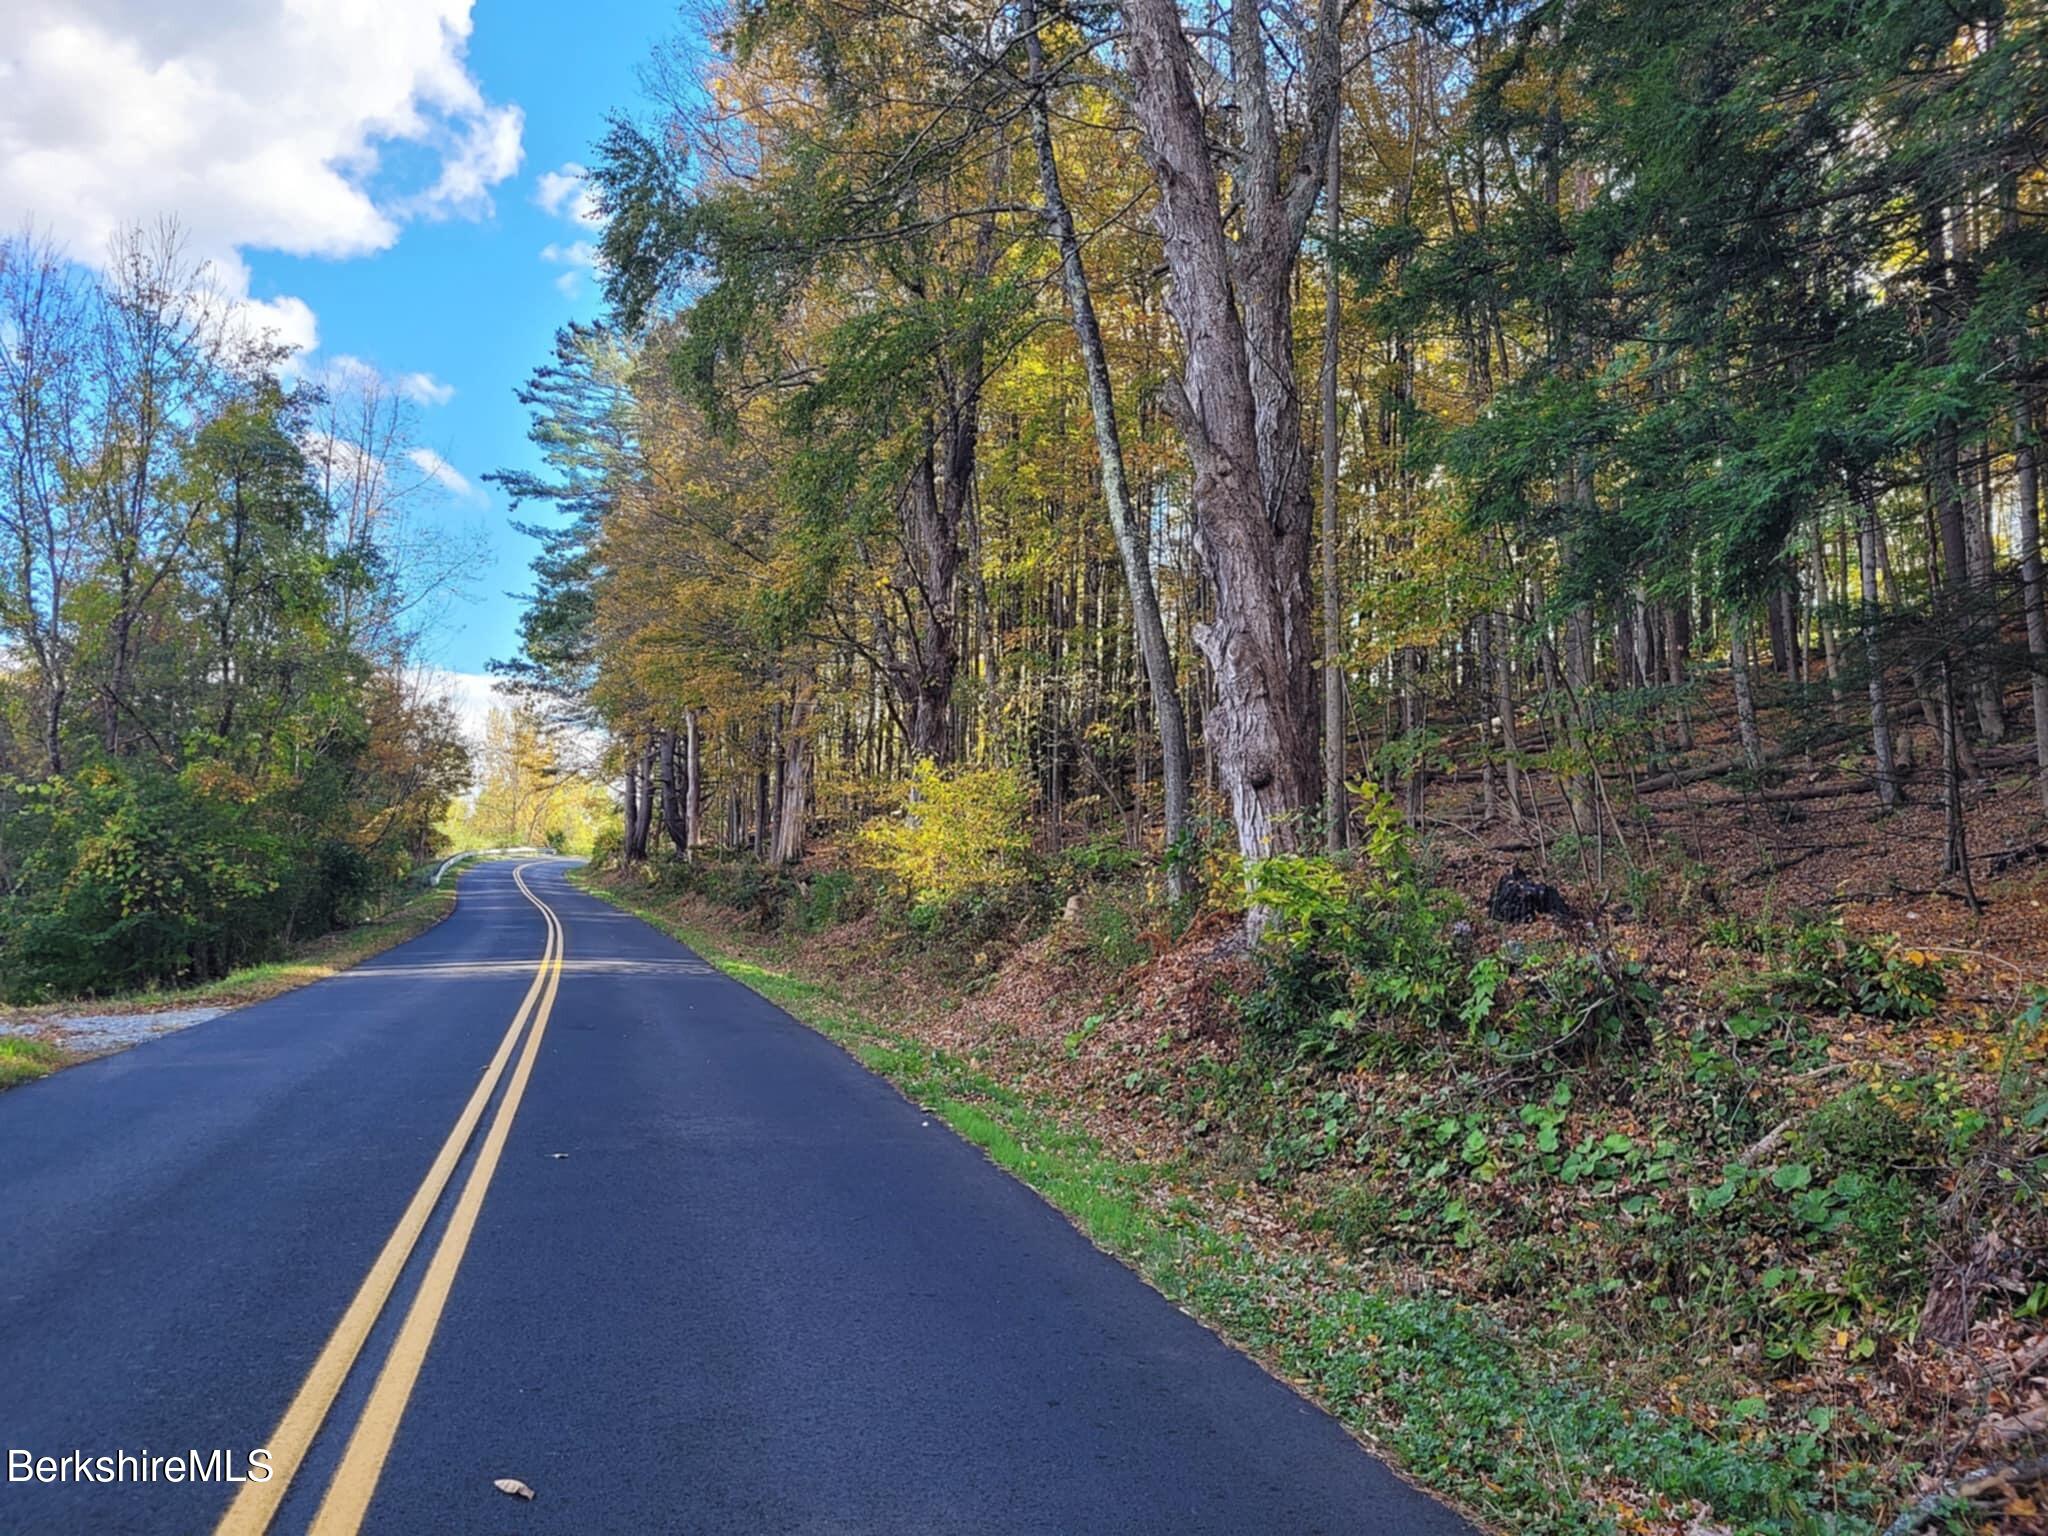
(542, 1196)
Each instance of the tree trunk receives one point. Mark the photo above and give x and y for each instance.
(1825, 620)
(693, 788)
(1888, 794)
(1336, 807)
(53, 729)
(1745, 697)
(926, 681)
(790, 820)
(1237, 405)
(672, 816)
(1504, 703)
(1674, 672)
(1955, 855)
(1129, 524)
(1966, 597)
(636, 827)
(2027, 465)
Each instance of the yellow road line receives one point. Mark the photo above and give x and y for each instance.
(355, 1480)
(256, 1503)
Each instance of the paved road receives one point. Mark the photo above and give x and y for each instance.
(541, 1196)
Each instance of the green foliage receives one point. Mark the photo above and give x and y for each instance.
(829, 897)
(1363, 961)
(1823, 965)
(1114, 925)
(127, 880)
(1101, 858)
(23, 1061)
(1463, 1402)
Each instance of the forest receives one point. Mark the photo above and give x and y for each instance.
(213, 741)
(1154, 534)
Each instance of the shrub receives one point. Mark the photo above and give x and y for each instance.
(956, 835)
(1105, 857)
(827, 898)
(1823, 965)
(1357, 954)
(1114, 931)
(125, 882)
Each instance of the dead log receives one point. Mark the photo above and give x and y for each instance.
(1969, 1487)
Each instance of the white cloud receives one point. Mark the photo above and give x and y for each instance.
(258, 124)
(343, 371)
(424, 389)
(578, 253)
(442, 473)
(484, 151)
(473, 694)
(579, 256)
(346, 373)
(566, 194)
(285, 320)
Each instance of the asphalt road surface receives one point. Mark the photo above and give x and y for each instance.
(541, 1196)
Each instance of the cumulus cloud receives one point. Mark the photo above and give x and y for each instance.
(566, 193)
(286, 321)
(258, 124)
(578, 256)
(346, 373)
(424, 389)
(442, 473)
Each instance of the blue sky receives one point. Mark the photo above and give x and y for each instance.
(472, 302)
(383, 180)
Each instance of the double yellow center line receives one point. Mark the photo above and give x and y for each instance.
(355, 1480)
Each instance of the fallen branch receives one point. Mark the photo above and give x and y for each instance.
(1768, 1143)
(2016, 1368)
(1773, 868)
(1970, 1487)
(1678, 778)
(1803, 792)
(2009, 858)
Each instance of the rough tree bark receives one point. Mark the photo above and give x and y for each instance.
(2026, 456)
(1129, 523)
(635, 816)
(672, 816)
(693, 787)
(790, 818)
(1745, 693)
(1236, 402)
(1336, 810)
(1873, 656)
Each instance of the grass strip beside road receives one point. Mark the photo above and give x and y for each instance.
(1435, 1388)
(23, 1061)
(314, 960)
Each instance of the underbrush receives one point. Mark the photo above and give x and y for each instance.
(120, 878)
(1560, 1223)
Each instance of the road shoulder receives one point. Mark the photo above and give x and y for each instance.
(1294, 1317)
(39, 1039)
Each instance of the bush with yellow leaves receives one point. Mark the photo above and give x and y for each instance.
(954, 835)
